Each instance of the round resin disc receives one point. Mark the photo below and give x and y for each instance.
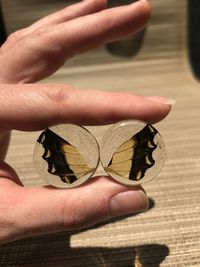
(132, 152)
(66, 155)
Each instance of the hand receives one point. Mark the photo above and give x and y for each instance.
(34, 53)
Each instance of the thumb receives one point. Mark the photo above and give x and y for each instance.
(78, 208)
(47, 210)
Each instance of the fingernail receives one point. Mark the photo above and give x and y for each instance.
(128, 202)
(160, 99)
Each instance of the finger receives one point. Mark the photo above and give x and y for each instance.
(71, 12)
(34, 107)
(46, 210)
(103, 27)
(44, 51)
(85, 33)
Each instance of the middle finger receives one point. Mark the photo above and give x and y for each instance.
(71, 12)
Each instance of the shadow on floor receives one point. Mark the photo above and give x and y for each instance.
(55, 252)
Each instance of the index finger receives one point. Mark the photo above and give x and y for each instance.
(34, 107)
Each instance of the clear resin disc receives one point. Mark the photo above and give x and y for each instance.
(66, 155)
(132, 152)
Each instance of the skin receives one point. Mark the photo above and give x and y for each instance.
(34, 53)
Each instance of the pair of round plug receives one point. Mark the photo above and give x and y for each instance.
(66, 156)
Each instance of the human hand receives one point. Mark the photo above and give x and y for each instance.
(34, 53)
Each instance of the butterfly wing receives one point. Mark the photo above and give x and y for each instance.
(64, 160)
(134, 157)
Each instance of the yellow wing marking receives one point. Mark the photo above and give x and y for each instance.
(122, 159)
(76, 161)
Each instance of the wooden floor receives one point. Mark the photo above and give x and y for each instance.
(169, 233)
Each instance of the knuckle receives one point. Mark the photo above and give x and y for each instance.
(59, 94)
(51, 38)
(58, 102)
(79, 212)
(73, 213)
(45, 31)
(17, 34)
(102, 209)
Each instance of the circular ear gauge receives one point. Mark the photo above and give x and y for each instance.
(66, 156)
(132, 152)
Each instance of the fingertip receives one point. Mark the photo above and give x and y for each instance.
(128, 202)
(161, 107)
(145, 8)
(146, 5)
